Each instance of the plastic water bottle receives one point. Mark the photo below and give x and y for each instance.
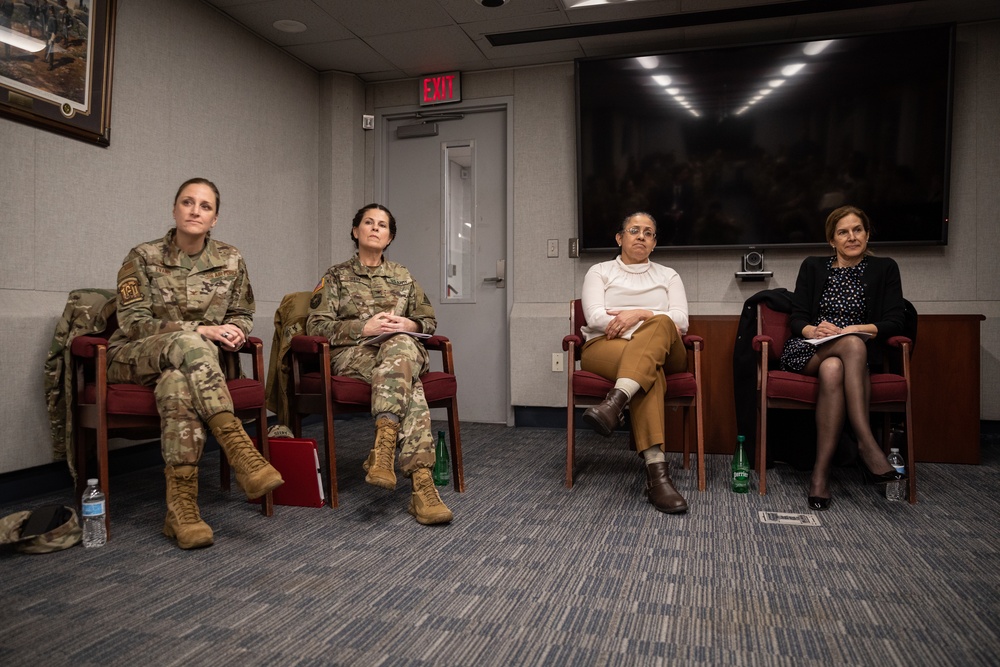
(94, 534)
(741, 468)
(442, 464)
(896, 491)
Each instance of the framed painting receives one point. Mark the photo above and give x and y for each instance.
(56, 58)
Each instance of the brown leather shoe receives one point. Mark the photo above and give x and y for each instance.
(609, 414)
(661, 491)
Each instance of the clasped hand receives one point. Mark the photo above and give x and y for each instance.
(228, 336)
(382, 323)
(623, 320)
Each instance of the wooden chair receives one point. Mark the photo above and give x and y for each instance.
(313, 389)
(103, 410)
(585, 389)
(890, 392)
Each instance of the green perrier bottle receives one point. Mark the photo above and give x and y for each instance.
(442, 466)
(741, 468)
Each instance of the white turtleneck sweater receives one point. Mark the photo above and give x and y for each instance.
(616, 286)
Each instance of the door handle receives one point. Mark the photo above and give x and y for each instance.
(501, 277)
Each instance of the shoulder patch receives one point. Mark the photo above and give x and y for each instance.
(315, 300)
(128, 291)
(249, 293)
(128, 269)
(322, 282)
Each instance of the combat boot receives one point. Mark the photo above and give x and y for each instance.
(183, 521)
(425, 503)
(253, 473)
(381, 462)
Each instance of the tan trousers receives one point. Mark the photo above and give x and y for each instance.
(654, 351)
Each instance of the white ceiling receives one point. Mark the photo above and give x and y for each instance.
(380, 40)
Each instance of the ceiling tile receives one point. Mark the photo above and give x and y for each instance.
(259, 18)
(346, 55)
(380, 17)
(432, 50)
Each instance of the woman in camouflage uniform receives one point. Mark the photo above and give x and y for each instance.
(369, 296)
(180, 299)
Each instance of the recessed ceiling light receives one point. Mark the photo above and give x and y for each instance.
(288, 25)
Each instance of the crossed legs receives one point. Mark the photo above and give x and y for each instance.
(844, 389)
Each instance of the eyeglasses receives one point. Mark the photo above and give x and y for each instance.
(646, 233)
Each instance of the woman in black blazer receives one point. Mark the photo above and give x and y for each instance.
(852, 292)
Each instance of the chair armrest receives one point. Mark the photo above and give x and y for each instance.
(760, 339)
(308, 344)
(574, 339)
(435, 342)
(251, 346)
(86, 346)
(690, 340)
(899, 341)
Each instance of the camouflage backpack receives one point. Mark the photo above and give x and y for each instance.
(41, 531)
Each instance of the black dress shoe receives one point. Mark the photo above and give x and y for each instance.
(661, 491)
(881, 478)
(819, 504)
(609, 414)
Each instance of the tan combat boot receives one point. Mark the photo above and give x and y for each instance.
(425, 503)
(183, 521)
(253, 473)
(381, 462)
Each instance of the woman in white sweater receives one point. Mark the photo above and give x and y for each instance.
(636, 313)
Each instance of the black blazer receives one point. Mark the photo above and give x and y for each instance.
(883, 293)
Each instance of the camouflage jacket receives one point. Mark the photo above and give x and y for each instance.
(349, 294)
(87, 311)
(289, 321)
(161, 289)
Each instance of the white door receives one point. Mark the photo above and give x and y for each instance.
(448, 193)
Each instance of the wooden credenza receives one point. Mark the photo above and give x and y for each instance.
(946, 383)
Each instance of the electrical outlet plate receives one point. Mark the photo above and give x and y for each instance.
(574, 247)
(552, 249)
(557, 362)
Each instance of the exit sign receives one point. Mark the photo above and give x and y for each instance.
(440, 88)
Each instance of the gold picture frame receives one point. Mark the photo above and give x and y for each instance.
(56, 60)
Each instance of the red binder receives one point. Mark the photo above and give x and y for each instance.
(298, 462)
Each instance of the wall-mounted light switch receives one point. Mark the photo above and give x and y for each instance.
(553, 248)
(367, 122)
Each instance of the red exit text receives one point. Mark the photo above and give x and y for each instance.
(439, 88)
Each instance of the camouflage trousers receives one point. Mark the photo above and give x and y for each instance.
(393, 370)
(189, 386)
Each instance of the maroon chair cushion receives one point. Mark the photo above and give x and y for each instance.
(438, 386)
(125, 399)
(888, 388)
(593, 385)
(680, 384)
(134, 399)
(248, 394)
(785, 385)
(350, 390)
(586, 383)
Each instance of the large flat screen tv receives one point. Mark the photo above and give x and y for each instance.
(753, 146)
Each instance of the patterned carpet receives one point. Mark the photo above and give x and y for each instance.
(529, 573)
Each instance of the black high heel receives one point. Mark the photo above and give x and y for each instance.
(819, 504)
(881, 478)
